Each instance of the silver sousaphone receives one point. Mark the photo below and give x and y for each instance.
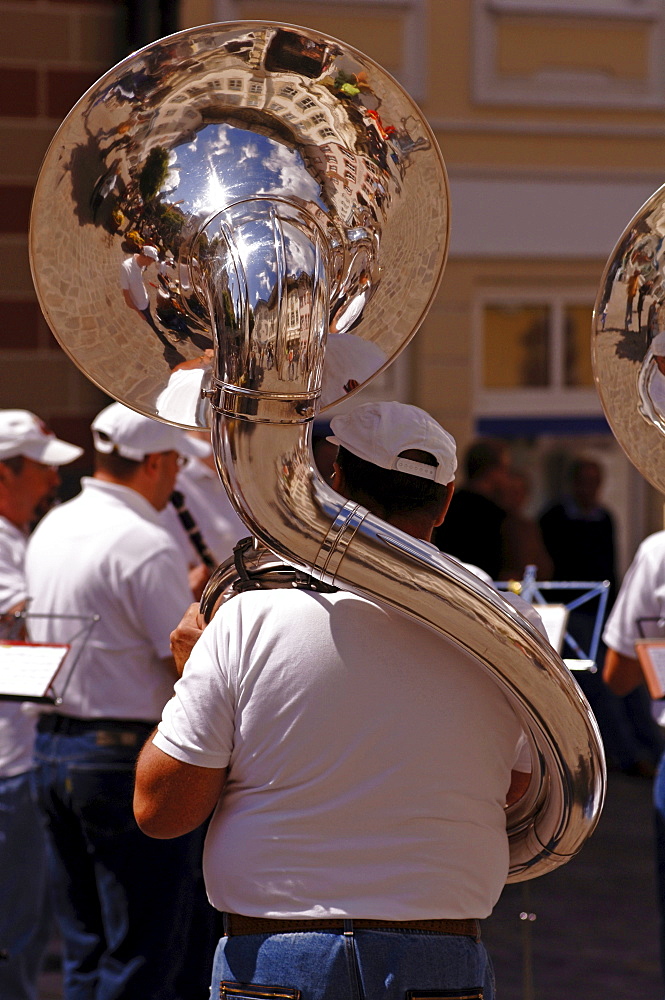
(628, 341)
(299, 204)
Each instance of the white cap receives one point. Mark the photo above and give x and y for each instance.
(658, 345)
(349, 362)
(150, 251)
(22, 433)
(131, 435)
(380, 432)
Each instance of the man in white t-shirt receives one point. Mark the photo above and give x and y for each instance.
(124, 903)
(29, 457)
(136, 296)
(639, 612)
(357, 764)
(131, 280)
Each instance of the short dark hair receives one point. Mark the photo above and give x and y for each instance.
(15, 463)
(387, 490)
(116, 465)
(483, 455)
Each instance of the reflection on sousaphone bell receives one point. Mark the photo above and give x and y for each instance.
(295, 198)
(259, 155)
(628, 325)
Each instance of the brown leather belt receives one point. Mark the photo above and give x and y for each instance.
(235, 925)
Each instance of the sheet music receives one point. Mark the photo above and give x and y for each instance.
(555, 619)
(27, 669)
(651, 654)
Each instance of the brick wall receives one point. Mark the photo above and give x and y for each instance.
(51, 51)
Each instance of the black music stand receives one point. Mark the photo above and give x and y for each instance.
(38, 662)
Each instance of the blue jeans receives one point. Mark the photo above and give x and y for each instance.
(659, 824)
(124, 902)
(364, 965)
(24, 921)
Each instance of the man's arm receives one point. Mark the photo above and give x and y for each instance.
(622, 674)
(519, 782)
(129, 300)
(11, 627)
(172, 798)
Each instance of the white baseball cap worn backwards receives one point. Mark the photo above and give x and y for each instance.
(380, 432)
(22, 433)
(133, 436)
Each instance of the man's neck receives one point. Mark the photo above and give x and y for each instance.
(413, 526)
(135, 483)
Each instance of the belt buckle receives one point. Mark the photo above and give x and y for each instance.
(110, 738)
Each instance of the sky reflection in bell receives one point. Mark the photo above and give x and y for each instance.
(210, 178)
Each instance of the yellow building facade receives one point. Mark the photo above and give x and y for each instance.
(550, 115)
(550, 118)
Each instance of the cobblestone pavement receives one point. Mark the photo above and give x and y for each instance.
(595, 932)
(595, 936)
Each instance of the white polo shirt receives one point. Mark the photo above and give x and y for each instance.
(209, 504)
(16, 728)
(105, 553)
(368, 761)
(640, 604)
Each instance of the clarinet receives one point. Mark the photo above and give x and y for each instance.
(192, 529)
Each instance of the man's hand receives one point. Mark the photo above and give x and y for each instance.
(198, 577)
(622, 674)
(185, 635)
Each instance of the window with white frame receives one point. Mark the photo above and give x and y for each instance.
(595, 53)
(533, 353)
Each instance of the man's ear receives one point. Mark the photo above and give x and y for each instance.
(150, 464)
(450, 489)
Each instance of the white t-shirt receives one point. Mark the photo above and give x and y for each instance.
(131, 280)
(16, 728)
(182, 400)
(105, 553)
(209, 504)
(369, 761)
(642, 596)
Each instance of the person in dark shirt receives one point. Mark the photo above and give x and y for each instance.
(472, 531)
(522, 538)
(579, 532)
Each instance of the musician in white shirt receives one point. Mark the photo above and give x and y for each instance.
(123, 903)
(29, 456)
(358, 766)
